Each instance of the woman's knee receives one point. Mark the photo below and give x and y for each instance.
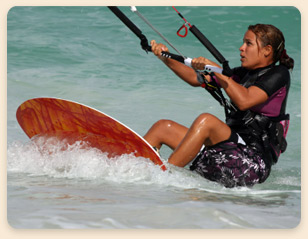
(164, 124)
(212, 128)
(205, 121)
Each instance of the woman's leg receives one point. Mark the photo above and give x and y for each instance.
(206, 129)
(165, 132)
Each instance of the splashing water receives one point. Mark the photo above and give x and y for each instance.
(54, 158)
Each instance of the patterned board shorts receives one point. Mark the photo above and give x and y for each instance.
(231, 164)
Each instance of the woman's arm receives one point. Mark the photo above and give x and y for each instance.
(186, 73)
(244, 98)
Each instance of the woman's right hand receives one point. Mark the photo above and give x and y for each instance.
(157, 48)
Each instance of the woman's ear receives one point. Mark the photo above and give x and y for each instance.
(268, 50)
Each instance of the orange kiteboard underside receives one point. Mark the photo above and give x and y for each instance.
(74, 122)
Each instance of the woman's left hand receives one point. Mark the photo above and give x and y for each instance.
(199, 63)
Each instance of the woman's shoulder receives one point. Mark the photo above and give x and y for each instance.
(281, 69)
(278, 72)
(274, 79)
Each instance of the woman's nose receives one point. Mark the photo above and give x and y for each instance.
(241, 48)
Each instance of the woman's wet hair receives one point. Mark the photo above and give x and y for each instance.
(270, 35)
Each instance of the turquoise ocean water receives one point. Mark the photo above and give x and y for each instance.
(86, 54)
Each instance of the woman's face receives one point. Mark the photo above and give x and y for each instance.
(253, 55)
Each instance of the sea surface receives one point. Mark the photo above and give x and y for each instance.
(86, 54)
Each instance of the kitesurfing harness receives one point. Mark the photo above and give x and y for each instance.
(266, 134)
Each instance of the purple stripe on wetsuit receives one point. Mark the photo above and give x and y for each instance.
(272, 106)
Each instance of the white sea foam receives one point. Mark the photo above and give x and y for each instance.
(57, 159)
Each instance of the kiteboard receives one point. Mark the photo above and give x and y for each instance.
(74, 122)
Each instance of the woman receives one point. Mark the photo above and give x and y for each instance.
(241, 151)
